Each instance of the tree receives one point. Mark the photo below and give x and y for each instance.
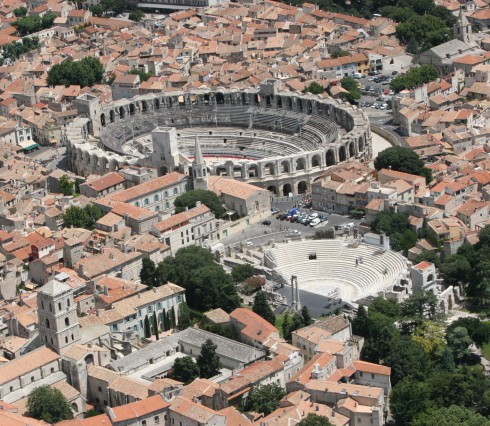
(48, 404)
(240, 273)
(144, 76)
(66, 185)
(155, 325)
(147, 274)
(390, 223)
(20, 12)
(431, 337)
(313, 419)
(305, 316)
(207, 361)
(261, 307)
(208, 198)
(429, 256)
(349, 84)
(409, 398)
(414, 77)
(26, 25)
(314, 88)
(86, 72)
(252, 285)
(450, 416)
(184, 317)
(403, 160)
(340, 54)
(185, 370)
(166, 324)
(147, 327)
(136, 15)
(428, 31)
(459, 341)
(264, 399)
(82, 217)
(387, 307)
(479, 331)
(456, 269)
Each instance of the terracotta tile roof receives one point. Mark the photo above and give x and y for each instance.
(107, 181)
(223, 185)
(256, 327)
(26, 363)
(138, 409)
(369, 367)
(100, 420)
(181, 218)
(196, 412)
(148, 187)
(128, 386)
(424, 265)
(200, 387)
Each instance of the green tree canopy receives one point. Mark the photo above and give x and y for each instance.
(478, 330)
(184, 317)
(459, 341)
(48, 404)
(240, 273)
(207, 285)
(349, 84)
(450, 416)
(414, 77)
(207, 361)
(428, 31)
(136, 15)
(264, 399)
(313, 419)
(26, 25)
(340, 54)
(314, 88)
(147, 273)
(403, 160)
(67, 186)
(82, 217)
(185, 370)
(456, 269)
(86, 72)
(20, 12)
(208, 198)
(261, 307)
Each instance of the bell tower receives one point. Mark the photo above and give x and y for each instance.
(57, 316)
(199, 170)
(462, 28)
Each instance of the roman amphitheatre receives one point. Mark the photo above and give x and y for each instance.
(272, 138)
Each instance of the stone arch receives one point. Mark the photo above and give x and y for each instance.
(268, 101)
(309, 107)
(244, 99)
(300, 104)
(47, 323)
(111, 116)
(102, 120)
(279, 102)
(290, 103)
(237, 171)
(286, 189)
(316, 161)
(144, 106)
(220, 98)
(256, 99)
(272, 189)
(269, 169)
(300, 164)
(74, 407)
(253, 171)
(302, 187)
(285, 167)
(122, 112)
(330, 157)
(206, 99)
(342, 153)
(360, 144)
(221, 171)
(67, 322)
(132, 109)
(163, 171)
(352, 150)
(156, 103)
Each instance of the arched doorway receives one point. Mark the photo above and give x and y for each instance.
(279, 102)
(220, 98)
(237, 172)
(272, 189)
(111, 116)
(330, 157)
(132, 109)
(285, 167)
(221, 171)
(206, 99)
(360, 144)
(302, 187)
(122, 112)
(290, 103)
(300, 104)
(256, 99)
(269, 169)
(253, 171)
(310, 108)
(286, 189)
(89, 359)
(342, 155)
(352, 150)
(102, 120)
(157, 103)
(300, 164)
(268, 100)
(163, 171)
(144, 106)
(315, 161)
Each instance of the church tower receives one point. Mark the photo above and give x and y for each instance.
(199, 170)
(57, 316)
(462, 28)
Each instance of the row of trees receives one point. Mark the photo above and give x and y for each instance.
(432, 367)
(87, 72)
(207, 285)
(26, 25)
(414, 77)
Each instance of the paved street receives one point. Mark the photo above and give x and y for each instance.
(50, 157)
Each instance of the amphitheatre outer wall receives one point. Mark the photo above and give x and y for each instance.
(328, 132)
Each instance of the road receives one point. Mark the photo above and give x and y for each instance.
(50, 157)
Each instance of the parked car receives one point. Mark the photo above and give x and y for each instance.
(387, 91)
(313, 216)
(315, 222)
(375, 105)
(394, 73)
(384, 106)
(249, 243)
(266, 222)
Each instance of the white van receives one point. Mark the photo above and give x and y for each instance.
(358, 75)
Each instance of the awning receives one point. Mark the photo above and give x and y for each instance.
(28, 146)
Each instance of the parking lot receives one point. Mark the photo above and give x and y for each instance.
(376, 91)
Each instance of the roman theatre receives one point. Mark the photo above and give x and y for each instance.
(275, 139)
